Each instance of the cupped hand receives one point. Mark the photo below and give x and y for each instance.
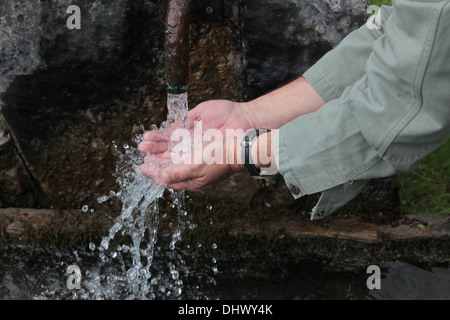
(195, 174)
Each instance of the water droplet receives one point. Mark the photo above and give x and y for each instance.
(192, 226)
(174, 274)
(105, 244)
(102, 199)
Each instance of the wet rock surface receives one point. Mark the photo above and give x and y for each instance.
(283, 38)
(254, 240)
(66, 94)
(19, 188)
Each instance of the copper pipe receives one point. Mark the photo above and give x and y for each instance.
(177, 46)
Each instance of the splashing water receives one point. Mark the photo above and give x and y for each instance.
(126, 269)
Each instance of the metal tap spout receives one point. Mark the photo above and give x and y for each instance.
(177, 46)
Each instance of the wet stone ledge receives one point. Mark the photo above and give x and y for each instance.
(340, 243)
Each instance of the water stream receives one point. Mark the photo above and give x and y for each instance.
(126, 271)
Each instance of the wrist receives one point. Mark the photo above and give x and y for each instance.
(261, 153)
(234, 153)
(249, 112)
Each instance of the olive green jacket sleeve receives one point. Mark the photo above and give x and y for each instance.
(396, 113)
(345, 65)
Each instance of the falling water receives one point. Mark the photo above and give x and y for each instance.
(126, 269)
(177, 107)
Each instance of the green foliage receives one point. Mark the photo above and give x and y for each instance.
(427, 189)
(381, 2)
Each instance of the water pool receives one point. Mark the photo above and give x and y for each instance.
(40, 273)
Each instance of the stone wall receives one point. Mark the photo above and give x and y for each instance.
(67, 94)
(17, 187)
(284, 38)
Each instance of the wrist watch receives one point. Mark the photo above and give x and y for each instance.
(249, 164)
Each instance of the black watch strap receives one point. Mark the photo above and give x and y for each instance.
(246, 144)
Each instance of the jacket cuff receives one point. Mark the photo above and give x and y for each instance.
(321, 84)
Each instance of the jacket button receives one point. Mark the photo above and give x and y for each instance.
(294, 189)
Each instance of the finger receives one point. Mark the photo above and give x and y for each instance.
(148, 171)
(191, 185)
(160, 176)
(161, 160)
(157, 136)
(156, 173)
(185, 185)
(152, 147)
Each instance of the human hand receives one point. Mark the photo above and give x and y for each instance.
(196, 173)
(218, 114)
(202, 166)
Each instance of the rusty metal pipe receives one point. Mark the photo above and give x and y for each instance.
(177, 46)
